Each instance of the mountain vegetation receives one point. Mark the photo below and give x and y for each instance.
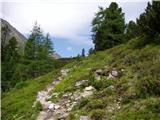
(108, 27)
(35, 60)
(118, 80)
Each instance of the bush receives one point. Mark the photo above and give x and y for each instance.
(95, 104)
(148, 86)
(98, 84)
(71, 116)
(39, 106)
(83, 102)
(97, 114)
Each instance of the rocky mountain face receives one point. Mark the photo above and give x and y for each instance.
(56, 56)
(8, 31)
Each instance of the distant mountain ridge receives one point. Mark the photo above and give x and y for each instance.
(56, 55)
(12, 32)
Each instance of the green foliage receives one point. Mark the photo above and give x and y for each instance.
(148, 86)
(21, 85)
(148, 23)
(141, 69)
(101, 84)
(83, 52)
(91, 51)
(131, 30)
(98, 84)
(36, 60)
(95, 104)
(83, 103)
(71, 117)
(97, 114)
(39, 106)
(9, 62)
(146, 109)
(17, 103)
(38, 46)
(108, 27)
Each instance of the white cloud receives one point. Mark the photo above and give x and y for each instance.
(69, 48)
(68, 19)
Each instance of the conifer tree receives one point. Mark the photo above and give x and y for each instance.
(47, 46)
(83, 52)
(148, 23)
(131, 30)
(11, 59)
(90, 51)
(34, 44)
(108, 27)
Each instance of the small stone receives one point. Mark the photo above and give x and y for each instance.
(99, 71)
(97, 77)
(110, 76)
(67, 105)
(42, 115)
(122, 70)
(79, 83)
(111, 87)
(89, 88)
(83, 117)
(114, 72)
(56, 107)
(69, 109)
(86, 93)
(51, 106)
(66, 95)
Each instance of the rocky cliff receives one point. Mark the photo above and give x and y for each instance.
(8, 31)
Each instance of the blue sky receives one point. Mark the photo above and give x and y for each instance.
(67, 21)
(68, 49)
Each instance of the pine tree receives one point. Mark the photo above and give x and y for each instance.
(148, 23)
(34, 43)
(131, 30)
(108, 27)
(11, 59)
(90, 51)
(47, 46)
(83, 52)
(4, 33)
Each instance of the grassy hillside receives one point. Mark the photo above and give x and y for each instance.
(134, 94)
(17, 104)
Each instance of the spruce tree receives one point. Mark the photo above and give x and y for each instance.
(148, 23)
(33, 47)
(11, 58)
(108, 27)
(90, 51)
(131, 30)
(83, 52)
(47, 46)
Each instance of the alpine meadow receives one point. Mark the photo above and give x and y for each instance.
(47, 76)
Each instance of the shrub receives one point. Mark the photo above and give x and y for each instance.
(97, 114)
(83, 102)
(39, 106)
(95, 104)
(71, 116)
(148, 86)
(98, 84)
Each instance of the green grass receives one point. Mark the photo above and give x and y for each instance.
(138, 86)
(17, 104)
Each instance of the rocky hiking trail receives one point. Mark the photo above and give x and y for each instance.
(60, 109)
(48, 107)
